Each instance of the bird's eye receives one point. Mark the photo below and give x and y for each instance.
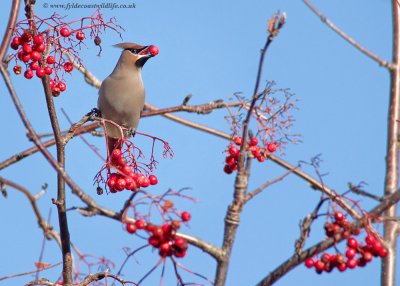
(133, 51)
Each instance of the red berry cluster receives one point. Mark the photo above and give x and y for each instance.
(126, 178)
(356, 253)
(31, 52)
(163, 237)
(259, 153)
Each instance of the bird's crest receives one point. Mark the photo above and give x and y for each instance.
(129, 46)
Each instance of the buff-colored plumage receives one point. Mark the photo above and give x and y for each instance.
(121, 95)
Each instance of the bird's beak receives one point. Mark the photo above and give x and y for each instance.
(145, 54)
(149, 51)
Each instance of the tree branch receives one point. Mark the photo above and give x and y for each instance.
(296, 259)
(12, 19)
(232, 218)
(264, 186)
(388, 274)
(346, 37)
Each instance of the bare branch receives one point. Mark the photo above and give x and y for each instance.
(296, 259)
(362, 49)
(232, 217)
(388, 275)
(12, 19)
(264, 186)
(30, 272)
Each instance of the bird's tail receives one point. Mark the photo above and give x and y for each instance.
(113, 143)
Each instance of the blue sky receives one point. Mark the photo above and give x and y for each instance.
(211, 49)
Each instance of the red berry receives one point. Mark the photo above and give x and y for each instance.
(26, 36)
(130, 227)
(181, 243)
(326, 257)
(50, 60)
(17, 41)
(383, 252)
(26, 57)
(62, 86)
(120, 184)
(80, 36)
(17, 69)
(351, 263)
(28, 74)
(68, 66)
(253, 141)
(165, 247)
(56, 92)
(34, 65)
(65, 32)
(149, 227)
(261, 158)
(356, 230)
(342, 267)
(238, 140)
(185, 216)
(48, 71)
(166, 228)
(116, 154)
(111, 182)
(140, 224)
(130, 184)
(319, 266)
(27, 48)
(338, 258)
(255, 150)
(180, 254)
(350, 253)
(234, 151)
(175, 224)
(40, 72)
(145, 182)
(339, 216)
(153, 180)
(370, 239)
(352, 242)
(35, 56)
(230, 160)
(227, 169)
(51, 83)
(153, 50)
(14, 46)
(157, 232)
(367, 256)
(38, 39)
(361, 262)
(271, 147)
(309, 263)
(20, 54)
(39, 48)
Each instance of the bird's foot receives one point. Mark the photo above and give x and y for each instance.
(131, 132)
(95, 112)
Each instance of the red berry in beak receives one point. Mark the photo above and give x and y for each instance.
(153, 50)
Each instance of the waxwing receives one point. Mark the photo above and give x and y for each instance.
(121, 95)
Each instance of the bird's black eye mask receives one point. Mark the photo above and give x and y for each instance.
(135, 51)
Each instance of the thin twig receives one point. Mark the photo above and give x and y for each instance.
(30, 272)
(350, 40)
(267, 184)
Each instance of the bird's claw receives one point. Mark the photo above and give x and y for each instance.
(132, 132)
(95, 112)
